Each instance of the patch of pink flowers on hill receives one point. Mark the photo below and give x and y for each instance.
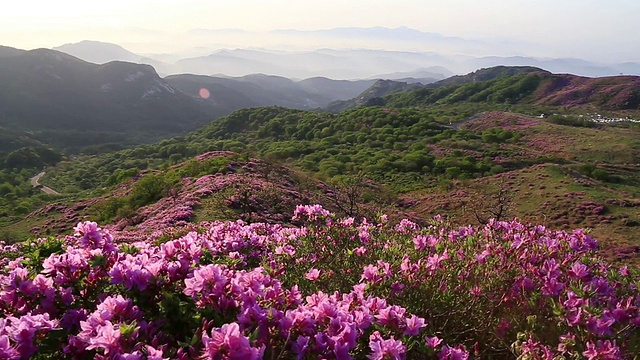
(100, 297)
(503, 120)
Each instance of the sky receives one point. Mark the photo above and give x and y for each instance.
(596, 29)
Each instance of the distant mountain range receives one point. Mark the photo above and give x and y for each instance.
(52, 98)
(55, 98)
(339, 64)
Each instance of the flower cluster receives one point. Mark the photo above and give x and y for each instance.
(333, 289)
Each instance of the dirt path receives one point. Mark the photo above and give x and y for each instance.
(456, 125)
(35, 182)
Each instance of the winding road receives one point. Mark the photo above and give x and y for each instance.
(35, 182)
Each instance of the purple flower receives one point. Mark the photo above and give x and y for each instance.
(385, 349)
(600, 326)
(23, 331)
(300, 346)
(579, 270)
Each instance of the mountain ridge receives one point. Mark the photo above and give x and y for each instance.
(513, 85)
(46, 93)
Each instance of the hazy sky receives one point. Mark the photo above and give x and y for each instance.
(602, 29)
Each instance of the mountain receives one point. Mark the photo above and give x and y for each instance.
(534, 88)
(226, 95)
(6, 51)
(382, 88)
(373, 95)
(572, 66)
(232, 93)
(426, 75)
(334, 89)
(48, 97)
(98, 52)
(343, 64)
(69, 103)
(335, 64)
(506, 84)
(485, 74)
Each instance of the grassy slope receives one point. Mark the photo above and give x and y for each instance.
(556, 195)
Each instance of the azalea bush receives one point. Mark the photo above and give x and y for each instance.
(328, 288)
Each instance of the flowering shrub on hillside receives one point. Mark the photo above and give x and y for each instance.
(333, 289)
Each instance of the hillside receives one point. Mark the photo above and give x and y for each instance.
(486, 74)
(57, 99)
(537, 88)
(507, 85)
(218, 185)
(455, 142)
(228, 94)
(316, 289)
(374, 95)
(590, 179)
(442, 152)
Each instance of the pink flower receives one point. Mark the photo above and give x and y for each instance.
(602, 350)
(6, 350)
(433, 342)
(624, 271)
(228, 343)
(453, 353)
(107, 338)
(360, 251)
(370, 273)
(391, 316)
(313, 274)
(413, 325)
(154, 354)
(385, 349)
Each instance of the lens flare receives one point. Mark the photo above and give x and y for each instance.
(204, 93)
